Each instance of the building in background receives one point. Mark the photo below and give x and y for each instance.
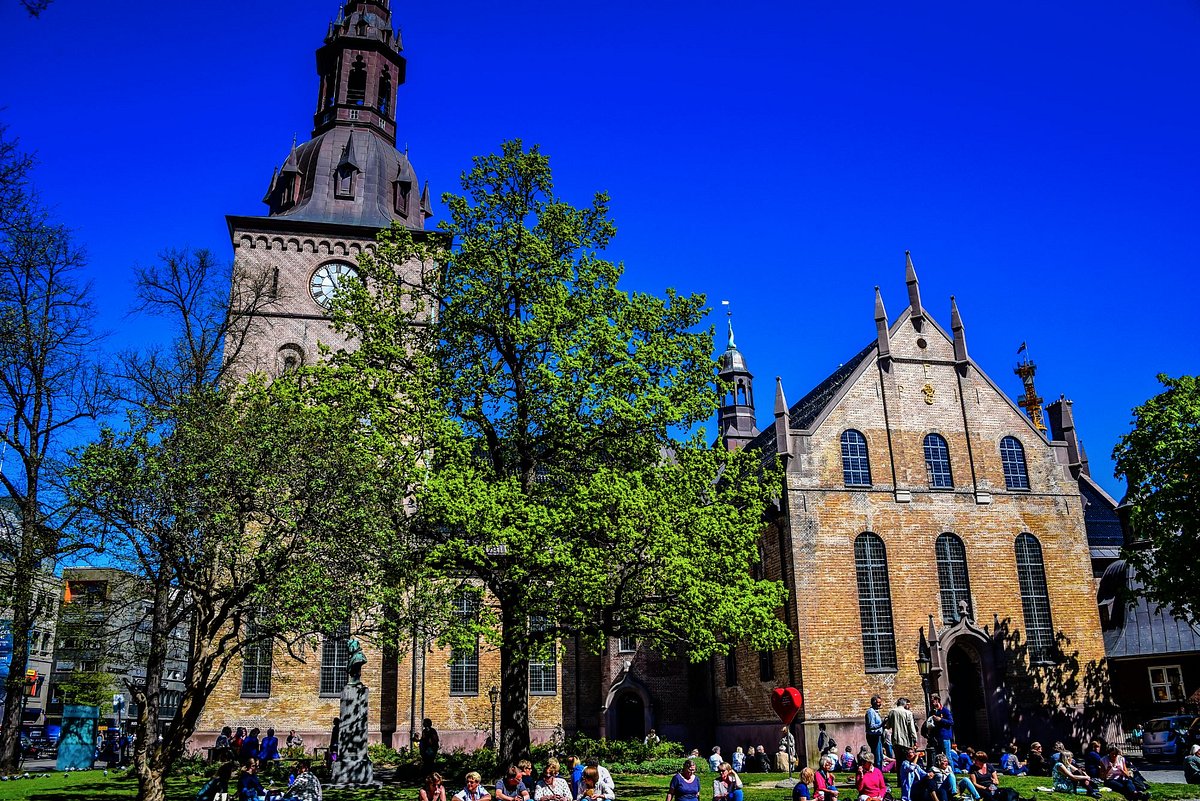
(103, 639)
(46, 592)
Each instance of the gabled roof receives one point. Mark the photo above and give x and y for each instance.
(1137, 626)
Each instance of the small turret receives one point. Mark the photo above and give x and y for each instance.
(735, 417)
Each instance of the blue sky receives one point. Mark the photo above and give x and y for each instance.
(1040, 160)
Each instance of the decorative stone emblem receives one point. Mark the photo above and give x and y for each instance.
(928, 390)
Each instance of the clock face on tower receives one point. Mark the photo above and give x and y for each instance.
(328, 279)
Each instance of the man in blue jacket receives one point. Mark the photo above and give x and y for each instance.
(944, 722)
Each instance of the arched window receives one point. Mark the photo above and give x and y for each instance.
(1035, 599)
(335, 661)
(937, 462)
(1012, 457)
(952, 576)
(874, 603)
(356, 86)
(856, 467)
(385, 93)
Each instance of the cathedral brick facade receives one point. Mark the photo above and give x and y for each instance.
(920, 509)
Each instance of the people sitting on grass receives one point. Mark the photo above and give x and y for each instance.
(847, 760)
(218, 786)
(824, 783)
(1191, 766)
(1035, 761)
(433, 789)
(871, 784)
(1011, 764)
(727, 785)
(909, 777)
(1069, 778)
(306, 787)
(475, 791)
(944, 784)
(249, 786)
(1093, 761)
(591, 788)
(1120, 777)
(983, 777)
(510, 787)
(552, 787)
(802, 792)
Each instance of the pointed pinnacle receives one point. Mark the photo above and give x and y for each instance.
(914, 287)
(781, 406)
(880, 312)
(955, 317)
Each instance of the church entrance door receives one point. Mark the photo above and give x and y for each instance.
(968, 696)
(631, 717)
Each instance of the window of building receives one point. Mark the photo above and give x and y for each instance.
(256, 665)
(1035, 599)
(464, 662)
(543, 668)
(1166, 684)
(766, 665)
(874, 603)
(952, 576)
(356, 87)
(1012, 457)
(627, 645)
(937, 462)
(856, 468)
(731, 677)
(335, 661)
(401, 190)
(385, 93)
(345, 182)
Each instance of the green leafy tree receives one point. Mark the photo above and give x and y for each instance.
(549, 412)
(245, 511)
(1160, 459)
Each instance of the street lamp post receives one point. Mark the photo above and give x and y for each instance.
(924, 666)
(494, 695)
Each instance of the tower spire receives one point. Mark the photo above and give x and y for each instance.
(735, 416)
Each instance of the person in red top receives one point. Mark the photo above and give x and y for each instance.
(824, 783)
(872, 784)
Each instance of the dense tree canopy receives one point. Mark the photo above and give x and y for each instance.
(550, 411)
(1160, 459)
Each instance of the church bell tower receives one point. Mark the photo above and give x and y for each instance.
(331, 196)
(735, 417)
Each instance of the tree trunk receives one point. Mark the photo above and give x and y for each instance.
(22, 621)
(152, 783)
(514, 691)
(148, 757)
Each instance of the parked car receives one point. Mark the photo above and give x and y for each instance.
(1168, 738)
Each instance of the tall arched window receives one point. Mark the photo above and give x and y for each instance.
(384, 93)
(874, 603)
(952, 576)
(937, 462)
(335, 661)
(1012, 457)
(1035, 599)
(856, 467)
(356, 86)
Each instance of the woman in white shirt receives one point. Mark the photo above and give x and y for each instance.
(552, 787)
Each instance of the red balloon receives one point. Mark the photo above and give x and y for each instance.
(786, 702)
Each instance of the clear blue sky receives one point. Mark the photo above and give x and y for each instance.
(1041, 160)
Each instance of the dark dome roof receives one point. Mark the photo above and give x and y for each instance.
(377, 168)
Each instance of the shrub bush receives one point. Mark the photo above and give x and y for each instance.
(623, 752)
(655, 767)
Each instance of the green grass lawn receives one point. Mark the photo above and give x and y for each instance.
(91, 785)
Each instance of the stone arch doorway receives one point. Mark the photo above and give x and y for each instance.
(966, 673)
(629, 715)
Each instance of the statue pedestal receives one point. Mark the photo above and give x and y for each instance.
(353, 766)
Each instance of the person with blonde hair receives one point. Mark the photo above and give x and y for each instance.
(728, 784)
(474, 791)
(552, 787)
(801, 791)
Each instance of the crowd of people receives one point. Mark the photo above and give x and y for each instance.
(582, 780)
(244, 753)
